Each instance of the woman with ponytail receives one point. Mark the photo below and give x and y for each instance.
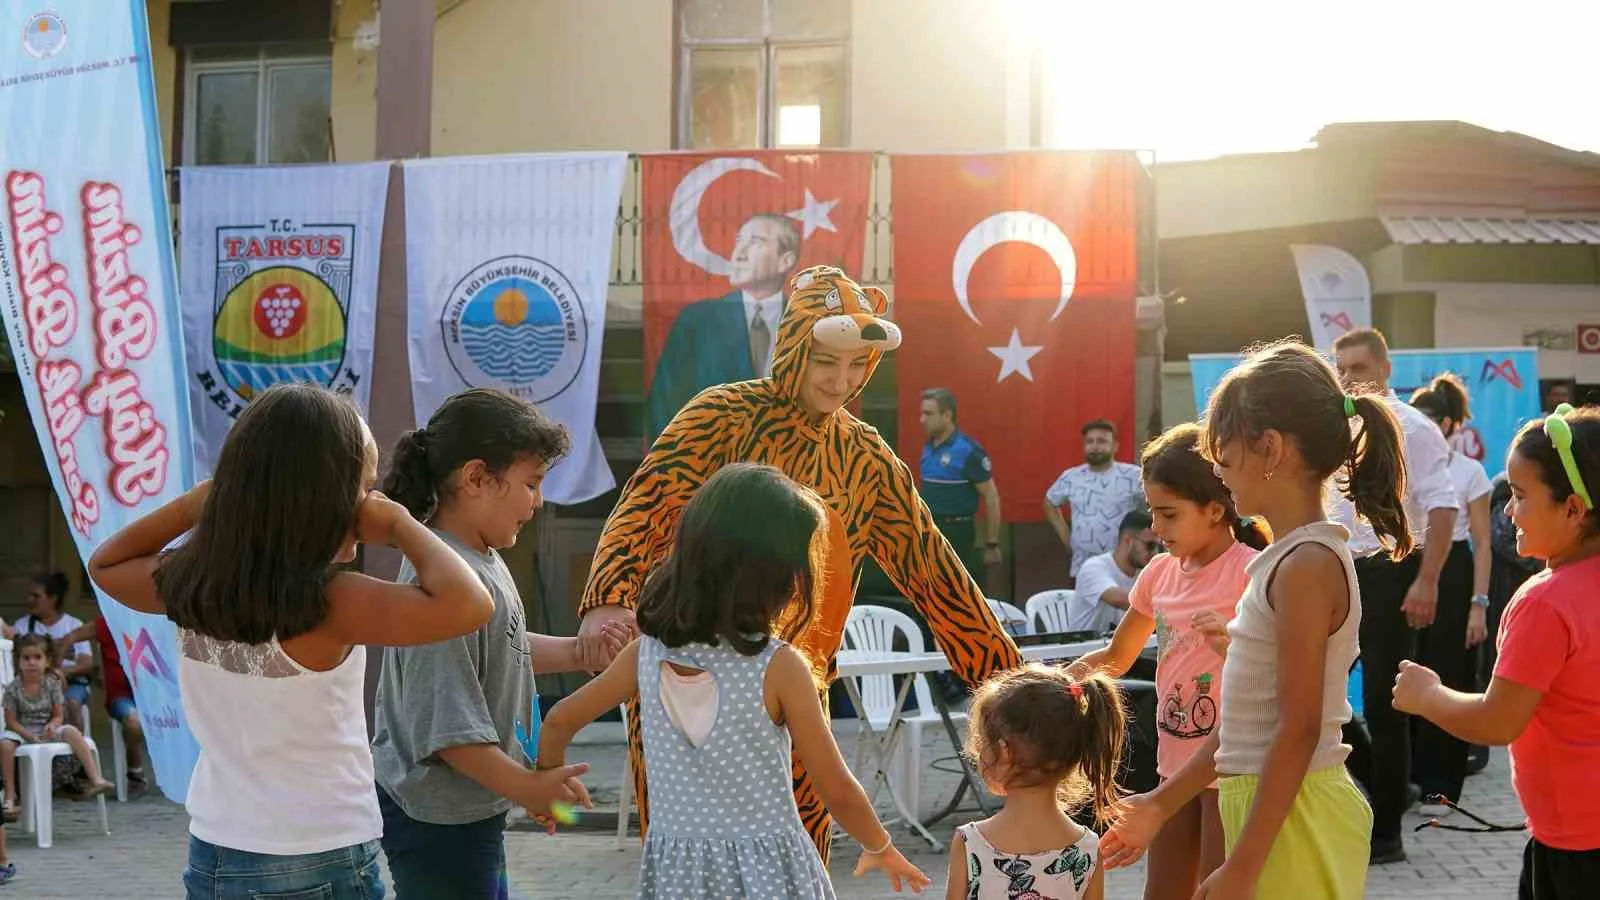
(446, 751)
(1461, 620)
(1278, 428)
(1185, 597)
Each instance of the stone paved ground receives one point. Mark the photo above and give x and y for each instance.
(143, 855)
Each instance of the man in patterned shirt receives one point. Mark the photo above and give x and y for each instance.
(1086, 503)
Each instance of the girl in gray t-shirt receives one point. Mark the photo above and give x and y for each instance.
(446, 752)
(34, 704)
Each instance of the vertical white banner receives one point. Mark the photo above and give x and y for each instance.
(507, 263)
(280, 284)
(1338, 294)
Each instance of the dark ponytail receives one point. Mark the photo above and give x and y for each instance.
(1445, 397)
(1047, 727)
(1375, 479)
(1175, 462)
(481, 424)
(1287, 387)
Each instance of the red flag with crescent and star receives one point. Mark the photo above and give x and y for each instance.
(1015, 285)
(722, 233)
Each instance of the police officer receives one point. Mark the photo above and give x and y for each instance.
(955, 473)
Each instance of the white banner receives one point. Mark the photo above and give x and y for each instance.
(507, 262)
(1338, 294)
(279, 267)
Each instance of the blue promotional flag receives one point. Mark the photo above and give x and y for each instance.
(90, 304)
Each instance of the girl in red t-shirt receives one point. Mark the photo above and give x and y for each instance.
(1544, 700)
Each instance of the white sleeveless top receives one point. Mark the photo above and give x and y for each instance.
(284, 766)
(1250, 671)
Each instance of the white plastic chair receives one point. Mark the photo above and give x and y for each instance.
(1051, 610)
(6, 674)
(119, 762)
(34, 762)
(625, 796)
(874, 628)
(1013, 620)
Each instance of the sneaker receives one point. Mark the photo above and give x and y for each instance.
(1434, 810)
(8, 872)
(1386, 852)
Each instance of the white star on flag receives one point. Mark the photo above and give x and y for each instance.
(814, 215)
(1014, 358)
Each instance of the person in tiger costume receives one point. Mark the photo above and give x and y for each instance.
(831, 338)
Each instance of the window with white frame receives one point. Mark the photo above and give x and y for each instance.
(257, 109)
(763, 73)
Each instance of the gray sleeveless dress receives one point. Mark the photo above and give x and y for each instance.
(723, 822)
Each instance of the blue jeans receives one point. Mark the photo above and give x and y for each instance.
(217, 873)
(444, 862)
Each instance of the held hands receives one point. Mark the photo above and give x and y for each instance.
(1422, 598)
(377, 518)
(558, 784)
(1413, 686)
(1135, 829)
(602, 634)
(891, 863)
(1213, 628)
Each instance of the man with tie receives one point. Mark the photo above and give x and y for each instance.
(728, 338)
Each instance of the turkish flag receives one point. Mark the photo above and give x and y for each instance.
(1015, 285)
(812, 208)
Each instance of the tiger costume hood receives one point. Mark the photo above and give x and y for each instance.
(826, 308)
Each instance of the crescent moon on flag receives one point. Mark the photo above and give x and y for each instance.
(684, 213)
(1022, 226)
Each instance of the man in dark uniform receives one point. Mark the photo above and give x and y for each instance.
(955, 473)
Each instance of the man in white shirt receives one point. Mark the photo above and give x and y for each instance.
(1104, 581)
(730, 338)
(1397, 598)
(1086, 503)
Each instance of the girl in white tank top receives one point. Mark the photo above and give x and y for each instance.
(271, 665)
(1278, 427)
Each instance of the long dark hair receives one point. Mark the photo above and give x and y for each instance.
(1286, 387)
(1054, 730)
(1174, 461)
(54, 585)
(1534, 445)
(1445, 397)
(282, 504)
(482, 424)
(747, 548)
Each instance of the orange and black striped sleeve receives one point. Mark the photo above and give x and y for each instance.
(909, 549)
(638, 535)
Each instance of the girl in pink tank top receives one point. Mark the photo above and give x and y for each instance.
(1185, 597)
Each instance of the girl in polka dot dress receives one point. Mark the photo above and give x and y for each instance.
(724, 699)
(1046, 742)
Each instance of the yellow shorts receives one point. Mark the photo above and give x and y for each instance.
(1322, 850)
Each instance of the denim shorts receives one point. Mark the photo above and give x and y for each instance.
(78, 690)
(118, 708)
(217, 873)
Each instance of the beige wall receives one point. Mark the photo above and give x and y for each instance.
(920, 81)
(354, 103)
(1258, 192)
(523, 75)
(1498, 315)
(164, 63)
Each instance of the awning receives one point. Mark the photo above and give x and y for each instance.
(1421, 230)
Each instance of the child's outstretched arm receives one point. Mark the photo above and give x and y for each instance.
(1310, 594)
(1142, 815)
(603, 693)
(1492, 719)
(549, 655)
(125, 565)
(789, 680)
(1115, 659)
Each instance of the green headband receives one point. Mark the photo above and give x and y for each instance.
(1560, 434)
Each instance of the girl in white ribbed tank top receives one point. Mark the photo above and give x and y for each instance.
(271, 632)
(1277, 428)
